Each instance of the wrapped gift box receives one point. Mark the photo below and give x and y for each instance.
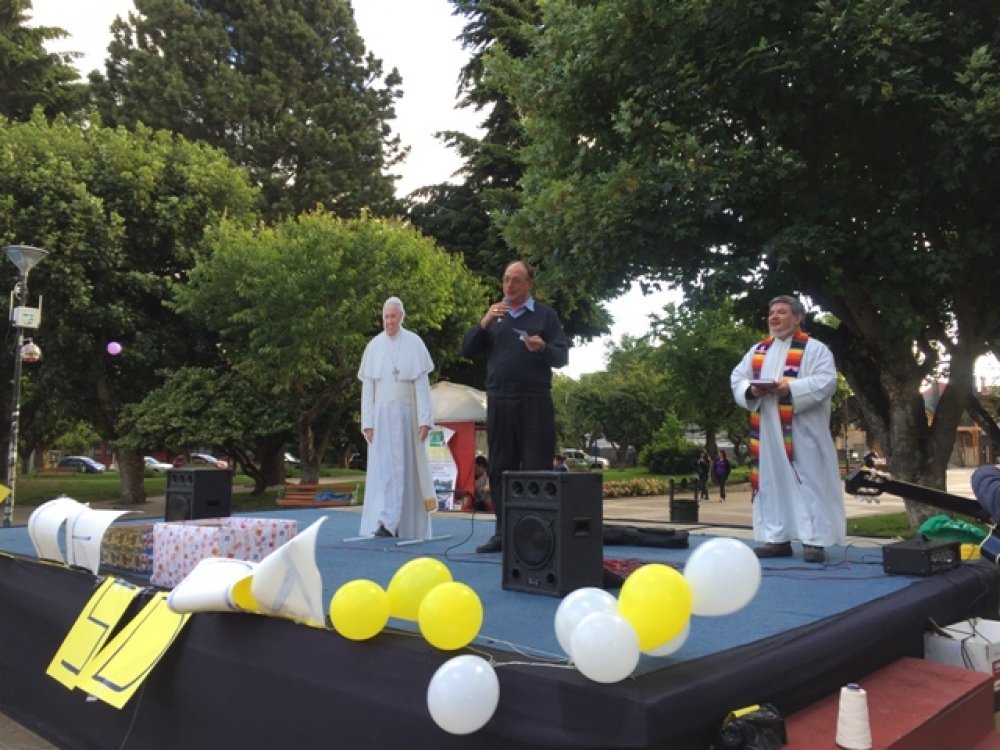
(178, 546)
(128, 547)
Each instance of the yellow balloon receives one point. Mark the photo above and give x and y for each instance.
(359, 610)
(657, 601)
(450, 616)
(411, 583)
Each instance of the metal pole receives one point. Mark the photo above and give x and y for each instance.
(15, 414)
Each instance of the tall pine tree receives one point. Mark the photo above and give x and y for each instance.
(462, 217)
(284, 87)
(29, 76)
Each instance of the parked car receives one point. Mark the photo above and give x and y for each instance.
(207, 460)
(357, 461)
(576, 456)
(154, 465)
(290, 459)
(81, 463)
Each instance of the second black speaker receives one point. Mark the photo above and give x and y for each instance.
(553, 531)
(198, 493)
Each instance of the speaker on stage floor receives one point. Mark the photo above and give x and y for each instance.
(553, 537)
(198, 493)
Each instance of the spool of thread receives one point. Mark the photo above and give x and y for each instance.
(853, 730)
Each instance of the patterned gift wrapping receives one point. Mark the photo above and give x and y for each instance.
(178, 546)
(128, 547)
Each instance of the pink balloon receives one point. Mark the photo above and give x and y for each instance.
(114, 348)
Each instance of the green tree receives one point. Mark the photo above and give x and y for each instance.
(843, 151)
(573, 427)
(295, 304)
(200, 406)
(629, 401)
(284, 87)
(42, 422)
(122, 215)
(29, 76)
(700, 349)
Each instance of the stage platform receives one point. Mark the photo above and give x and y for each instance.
(235, 680)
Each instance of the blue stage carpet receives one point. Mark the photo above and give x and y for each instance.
(792, 594)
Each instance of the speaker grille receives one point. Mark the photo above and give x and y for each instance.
(177, 507)
(534, 541)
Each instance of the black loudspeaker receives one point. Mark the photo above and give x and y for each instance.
(198, 493)
(553, 531)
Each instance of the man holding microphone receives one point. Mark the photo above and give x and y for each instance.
(524, 341)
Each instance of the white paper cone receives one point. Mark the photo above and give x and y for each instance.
(207, 587)
(288, 582)
(853, 729)
(46, 521)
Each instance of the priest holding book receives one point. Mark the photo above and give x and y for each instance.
(787, 382)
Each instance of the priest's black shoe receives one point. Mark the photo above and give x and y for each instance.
(493, 545)
(383, 531)
(774, 549)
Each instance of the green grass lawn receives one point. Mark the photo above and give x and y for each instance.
(32, 491)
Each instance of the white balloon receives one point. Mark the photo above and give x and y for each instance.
(463, 694)
(605, 647)
(575, 607)
(724, 575)
(673, 644)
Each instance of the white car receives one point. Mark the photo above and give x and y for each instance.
(594, 462)
(158, 466)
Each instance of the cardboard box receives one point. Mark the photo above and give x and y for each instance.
(973, 644)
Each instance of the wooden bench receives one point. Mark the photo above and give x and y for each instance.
(305, 495)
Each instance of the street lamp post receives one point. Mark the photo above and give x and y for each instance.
(25, 258)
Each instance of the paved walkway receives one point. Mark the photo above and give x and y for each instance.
(731, 518)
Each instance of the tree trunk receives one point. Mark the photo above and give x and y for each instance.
(131, 467)
(917, 438)
(711, 443)
(272, 465)
(308, 455)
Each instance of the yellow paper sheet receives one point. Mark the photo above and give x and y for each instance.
(119, 669)
(91, 630)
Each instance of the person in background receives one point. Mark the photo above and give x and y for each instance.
(396, 417)
(559, 463)
(481, 495)
(523, 340)
(869, 459)
(702, 467)
(721, 469)
(787, 382)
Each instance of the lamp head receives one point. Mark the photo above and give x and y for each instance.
(25, 257)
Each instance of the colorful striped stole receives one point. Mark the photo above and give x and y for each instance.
(793, 361)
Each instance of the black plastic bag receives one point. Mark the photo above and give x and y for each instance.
(757, 728)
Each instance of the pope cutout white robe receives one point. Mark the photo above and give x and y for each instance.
(800, 500)
(395, 401)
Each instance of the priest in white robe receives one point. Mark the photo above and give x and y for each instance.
(396, 417)
(787, 382)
